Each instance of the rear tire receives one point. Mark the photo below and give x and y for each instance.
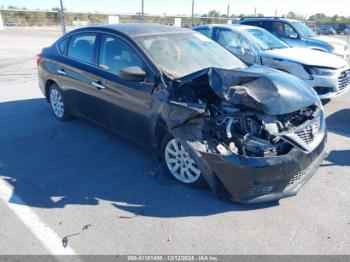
(57, 103)
(180, 164)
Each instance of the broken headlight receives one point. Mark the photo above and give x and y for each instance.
(318, 71)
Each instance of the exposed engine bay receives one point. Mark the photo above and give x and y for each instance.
(253, 134)
(236, 118)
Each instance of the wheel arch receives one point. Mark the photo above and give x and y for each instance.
(48, 84)
(161, 131)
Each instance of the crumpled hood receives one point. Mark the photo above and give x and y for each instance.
(306, 56)
(259, 88)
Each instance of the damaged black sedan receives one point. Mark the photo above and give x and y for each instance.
(252, 134)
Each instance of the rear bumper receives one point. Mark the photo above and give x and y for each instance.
(254, 180)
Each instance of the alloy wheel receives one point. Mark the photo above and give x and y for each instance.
(180, 163)
(57, 103)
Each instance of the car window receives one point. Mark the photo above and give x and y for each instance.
(253, 23)
(289, 31)
(81, 47)
(115, 55)
(264, 24)
(181, 54)
(303, 29)
(62, 45)
(232, 40)
(278, 29)
(283, 30)
(228, 39)
(265, 40)
(205, 31)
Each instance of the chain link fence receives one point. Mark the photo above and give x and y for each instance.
(52, 18)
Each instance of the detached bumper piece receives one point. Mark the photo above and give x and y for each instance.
(255, 180)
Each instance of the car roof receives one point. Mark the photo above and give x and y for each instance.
(267, 19)
(237, 27)
(137, 29)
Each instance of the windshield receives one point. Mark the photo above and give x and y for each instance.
(266, 40)
(303, 29)
(182, 54)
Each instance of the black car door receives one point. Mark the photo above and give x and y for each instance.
(123, 105)
(77, 71)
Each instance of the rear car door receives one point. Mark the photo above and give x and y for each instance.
(77, 72)
(124, 105)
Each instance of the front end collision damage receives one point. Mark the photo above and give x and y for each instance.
(256, 134)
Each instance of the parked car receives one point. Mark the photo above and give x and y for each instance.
(326, 30)
(347, 30)
(327, 74)
(11, 23)
(339, 28)
(297, 34)
(252, 134)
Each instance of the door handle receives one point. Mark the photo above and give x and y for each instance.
(98, 85)
(61, 72)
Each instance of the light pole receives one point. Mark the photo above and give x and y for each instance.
(192, 12)
(142, 11)
(228, 12)
(1, 23)
(63, 23)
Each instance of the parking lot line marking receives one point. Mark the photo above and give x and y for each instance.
(48, 238)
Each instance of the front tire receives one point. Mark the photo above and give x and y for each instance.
(58, 106)
(180, 164)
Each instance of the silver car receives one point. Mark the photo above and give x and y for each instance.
(298, 34)
(327, 74)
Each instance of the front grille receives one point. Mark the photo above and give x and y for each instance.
(298, 176)
(310, 131)
(344, 79)
(258, 190)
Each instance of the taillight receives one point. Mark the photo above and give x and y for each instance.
(37, 59)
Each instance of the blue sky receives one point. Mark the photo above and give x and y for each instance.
(175, 7)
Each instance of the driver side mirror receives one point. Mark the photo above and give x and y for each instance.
(293, 35)
(133, 73)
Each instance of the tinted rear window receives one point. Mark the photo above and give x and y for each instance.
(253, 23)
(205, 31)
(62, 45)
(263, 24)
(81, 47)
